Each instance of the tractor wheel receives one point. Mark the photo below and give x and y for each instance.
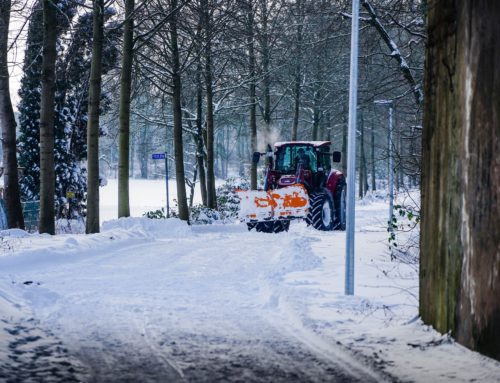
(264, 227)
(321, 213)
(251, 225)
(280, 226)
(271, 226)
(340, 206)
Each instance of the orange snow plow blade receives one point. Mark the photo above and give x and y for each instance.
(289, 202)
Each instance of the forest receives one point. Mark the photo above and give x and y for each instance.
(210, 82)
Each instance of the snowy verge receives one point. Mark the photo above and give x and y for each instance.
(22, 250)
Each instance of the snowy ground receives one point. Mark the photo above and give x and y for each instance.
(160, 301)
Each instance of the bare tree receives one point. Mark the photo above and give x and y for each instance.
(47, 174)
(177, 112)
(125, 94)
(298, 68)
(8, 122)
(92, 224)
(250, 24)
(208, 32)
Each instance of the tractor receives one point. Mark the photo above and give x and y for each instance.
(299, 183)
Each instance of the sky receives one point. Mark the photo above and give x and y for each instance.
(17, 40)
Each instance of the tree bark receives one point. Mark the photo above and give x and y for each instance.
(298, 70)
(362, 167)
(252, 90)
(125, 95)
(343, 160)
(316, 116)
(92, 224)
(211, 197)
(47, 172)
(266, 78)
(460, 227)
(177, 113)
(200, 145)
(372, 158)
(12, 195)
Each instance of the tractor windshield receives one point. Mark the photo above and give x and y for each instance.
(288, 158)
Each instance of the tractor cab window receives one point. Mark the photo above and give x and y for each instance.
(288, 158)
(324, 159)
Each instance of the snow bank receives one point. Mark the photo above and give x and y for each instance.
(297, 256)
(157, 228)
(13, 233)
(22, 251)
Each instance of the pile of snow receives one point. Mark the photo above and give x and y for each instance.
(297, 256)
(155, 228)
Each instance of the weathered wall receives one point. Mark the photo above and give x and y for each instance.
(460, 242)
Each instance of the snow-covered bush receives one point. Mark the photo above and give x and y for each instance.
(227, 199)
(160, 214)
(70, 226)
(227, 205)
(203, 215)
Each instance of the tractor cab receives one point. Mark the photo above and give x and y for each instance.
(307, 163)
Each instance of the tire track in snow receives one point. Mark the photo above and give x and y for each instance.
(191, 309)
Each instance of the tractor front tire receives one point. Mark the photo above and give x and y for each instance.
(270, 226)
(321, 212)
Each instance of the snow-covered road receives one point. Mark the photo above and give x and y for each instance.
(158, 301)
(203, 306)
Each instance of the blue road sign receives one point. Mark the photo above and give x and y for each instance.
(158, 156)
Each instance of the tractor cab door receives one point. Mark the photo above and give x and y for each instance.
(324, 167)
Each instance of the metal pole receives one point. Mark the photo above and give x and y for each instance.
(351, 152)
(166, 183)
(391, 170)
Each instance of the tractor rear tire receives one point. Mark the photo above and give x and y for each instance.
(340, 206)
(321, 212)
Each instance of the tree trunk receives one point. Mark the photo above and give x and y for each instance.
(460, 227)
(92, 225)
(211, 197)
(177, 112)
(8, 122)
(362, 160)
(193, 186)
(401, 156)
(125, 93)
(131, 156)
(200, 145)
(266, 79)
(47, 172)
(343, 160)
(372, 155)
(144, 145)
(316, 116)
(252, 90)
(298, 71)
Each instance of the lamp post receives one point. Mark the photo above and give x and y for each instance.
(391, 160)
(351, 152)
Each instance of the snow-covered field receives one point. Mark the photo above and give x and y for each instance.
(160, 301)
